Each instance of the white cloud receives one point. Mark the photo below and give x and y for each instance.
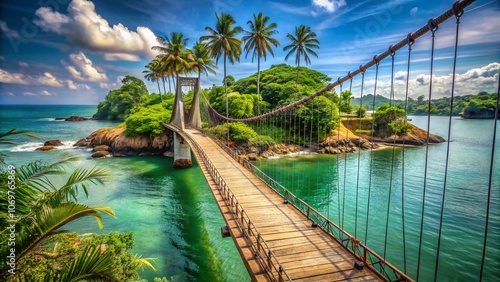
(29, 94)
(23, 64)
(46, 93)
(7, 31)
(414, 11)
(329, 6)
(84, 27)
(470, 82)
(10, 93)
(82, 69)
(18, 78)
(121, 57)
(115, 85)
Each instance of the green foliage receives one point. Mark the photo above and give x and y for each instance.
(482, 106)
(440, 106)
(316, 118)
(345, 99)
(240, 105)
(361, 112)
(390, 120)
(278, 83)
(147, 121)
(239, 133)
(66, 248)
(119, 103)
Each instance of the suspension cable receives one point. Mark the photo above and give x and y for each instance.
(433, 28)
(345, 163)
(410, 41)
(395, 47)
(458, 13)
(337, 158)
(392, 164)
(371, 151)
(490, 181)
(359, 153)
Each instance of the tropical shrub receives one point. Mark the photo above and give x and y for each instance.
(390, 120)
(119, 102)
(147, 121)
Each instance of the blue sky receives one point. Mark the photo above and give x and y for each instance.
(75, 51)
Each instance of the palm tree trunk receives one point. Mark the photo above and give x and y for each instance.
(159, 91)
(297, 80)
(163, 78)
(258, 85)
(227, 107)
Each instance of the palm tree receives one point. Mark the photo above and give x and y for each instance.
(302, 44)
(222, 41)
(201, 60)
(42, 207)
(259, 40)
(173, 53)
(153, 73)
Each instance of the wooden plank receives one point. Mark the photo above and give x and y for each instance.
(305, 253)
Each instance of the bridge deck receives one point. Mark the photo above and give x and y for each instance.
(304, 252)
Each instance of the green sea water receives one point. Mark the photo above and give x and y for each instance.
(176, 220)
(172, 213)
(352, 188)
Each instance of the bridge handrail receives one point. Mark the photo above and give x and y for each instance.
(362, 252)
(258, 244)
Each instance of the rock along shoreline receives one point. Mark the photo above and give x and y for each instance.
(107, 142)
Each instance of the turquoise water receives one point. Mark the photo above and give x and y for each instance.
(176, 220)
(321, 181)
(172, 213)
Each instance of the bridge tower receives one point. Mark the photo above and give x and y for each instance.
(182, 151)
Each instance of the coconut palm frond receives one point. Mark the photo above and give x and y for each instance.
(47, 220)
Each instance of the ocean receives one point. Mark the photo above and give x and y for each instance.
(172, 213)
(176, 221)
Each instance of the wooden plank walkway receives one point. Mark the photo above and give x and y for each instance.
(304, 253)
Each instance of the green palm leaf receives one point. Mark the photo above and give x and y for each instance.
(47, 220)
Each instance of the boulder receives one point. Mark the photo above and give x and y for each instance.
(121, 145)
(183, 163)
(100, 154)
(53, 143)
(101, 148)
(76, 118)
(45, 148)
(60, 118)
(82, 143)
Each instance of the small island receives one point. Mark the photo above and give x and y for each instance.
(331, 132)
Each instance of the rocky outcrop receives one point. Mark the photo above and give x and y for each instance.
(183, 163)
(252, 152)
(348, 145)
(101, 154)
(73, 118)
(53, 143)
(416, 136)
(114, 142)
(45, 148)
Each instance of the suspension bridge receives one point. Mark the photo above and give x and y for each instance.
(281, 237)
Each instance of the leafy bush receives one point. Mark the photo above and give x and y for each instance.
(119, 102)
(147, 121)
(361, 112)
(262, 140)
(389, 120)
(240, 133)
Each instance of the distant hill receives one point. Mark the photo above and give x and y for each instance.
(481, 105)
